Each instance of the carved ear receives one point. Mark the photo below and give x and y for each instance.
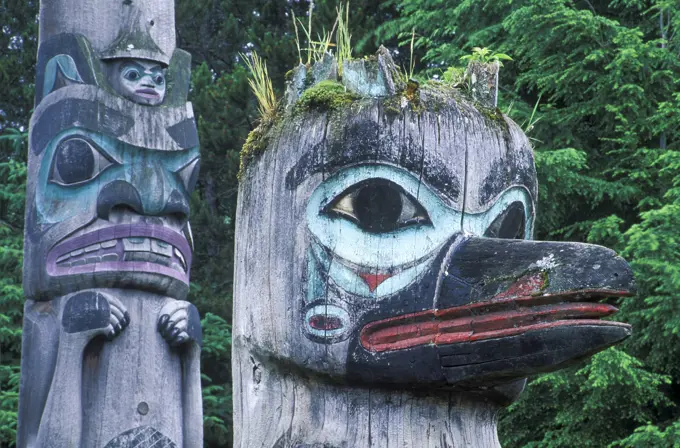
(60, 71)
(484, 82)
(64, 60)
(376, 76)
(178, 76)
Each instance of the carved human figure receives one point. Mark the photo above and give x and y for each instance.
(387, 292)
(111, 348)
(138, 80)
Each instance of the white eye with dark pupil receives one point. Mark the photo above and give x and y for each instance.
(378, 206)
(132, 75)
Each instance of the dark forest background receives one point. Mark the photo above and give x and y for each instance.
(602, 77)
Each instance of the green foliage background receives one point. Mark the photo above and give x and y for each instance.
(605, 76)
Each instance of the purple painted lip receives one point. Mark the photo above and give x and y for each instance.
(149, 92)
(143, 248)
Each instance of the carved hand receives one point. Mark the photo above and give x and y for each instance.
(91, 314)
(179, 322)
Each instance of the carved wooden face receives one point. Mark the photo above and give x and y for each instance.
(393, 249)
(138, 80)
(108, 187)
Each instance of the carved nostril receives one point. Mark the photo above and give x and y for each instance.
(118, 194)
(177, 207)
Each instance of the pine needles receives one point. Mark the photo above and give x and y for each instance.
(261, 85)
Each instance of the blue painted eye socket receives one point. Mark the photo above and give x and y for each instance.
(131, 74)
(378, 206)
(379, 216)
(510, 224)
(159, 80)
(77, 160)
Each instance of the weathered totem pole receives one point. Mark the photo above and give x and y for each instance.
(387, 293)
(111, 350)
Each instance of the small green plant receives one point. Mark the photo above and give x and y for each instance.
(261, 85)
(316, 49)
(485, 56)
(529, 124)
(454, 76)
(411, 63)
(297, 36)
(406, 74)
(343, 37)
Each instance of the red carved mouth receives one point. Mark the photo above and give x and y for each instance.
(501, 317)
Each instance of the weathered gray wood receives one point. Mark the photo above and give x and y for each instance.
(385, 294)
(483, 79)
(111, 350)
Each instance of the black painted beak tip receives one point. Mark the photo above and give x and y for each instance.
(591, 269)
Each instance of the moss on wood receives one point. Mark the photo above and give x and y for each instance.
(326, 95)
(255, 144)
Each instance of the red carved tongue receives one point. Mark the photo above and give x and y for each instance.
(374, 280)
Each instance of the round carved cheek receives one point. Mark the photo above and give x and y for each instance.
(326, 323)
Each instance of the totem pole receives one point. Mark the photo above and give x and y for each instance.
(111, 350)
(387, 292)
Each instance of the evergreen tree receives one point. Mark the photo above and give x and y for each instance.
(604, 75)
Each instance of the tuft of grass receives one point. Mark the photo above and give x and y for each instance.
(261, 85)
(297, 37)
(342, 36)
(412, 64)
(316, 49)
(406, 74)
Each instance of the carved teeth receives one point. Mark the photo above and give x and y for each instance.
(181, 259)
(110, 257)
(161, 248)
(137, 244)
(135, 249)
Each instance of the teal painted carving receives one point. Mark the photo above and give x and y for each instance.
(108, 251)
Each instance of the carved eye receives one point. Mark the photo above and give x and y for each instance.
(189, 174)
(378, 206)
(510, 224)
(131, 74)
(77, 160)
(159, 80)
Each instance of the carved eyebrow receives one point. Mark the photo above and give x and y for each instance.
(152, 71)
(133, 64)
(314, 161)
(86, 114)
(361, 144)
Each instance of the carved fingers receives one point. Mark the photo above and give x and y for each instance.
(118, 320)
(179, 322)
(94, 313)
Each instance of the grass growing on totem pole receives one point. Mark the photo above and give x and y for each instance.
(343, 38)
(261, 85)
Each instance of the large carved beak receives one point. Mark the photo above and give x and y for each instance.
(506, 309)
